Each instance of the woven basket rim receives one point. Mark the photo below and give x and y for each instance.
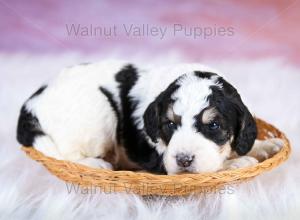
(83, 175)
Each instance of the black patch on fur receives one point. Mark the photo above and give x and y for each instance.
(155, 117)
(246, 131)
(134, 141)
(221, 135)
(38, 92)
(167, 130)
(233, 117)
(113, 104)
(28, 125)
(204, 75)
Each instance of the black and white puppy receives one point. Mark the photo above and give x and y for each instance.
(173, 119)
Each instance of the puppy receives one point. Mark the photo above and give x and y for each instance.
(173, 119)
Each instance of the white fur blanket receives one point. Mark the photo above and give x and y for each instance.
(271, 90)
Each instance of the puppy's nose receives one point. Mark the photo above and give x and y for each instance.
(184, 160)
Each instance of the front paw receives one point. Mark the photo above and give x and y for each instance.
(244, 161)
(264, 149)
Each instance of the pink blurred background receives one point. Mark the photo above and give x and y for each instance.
(259, 55)
(260, 28)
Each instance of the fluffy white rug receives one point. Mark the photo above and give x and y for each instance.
(271, 90)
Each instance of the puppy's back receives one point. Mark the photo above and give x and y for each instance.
(71, 117)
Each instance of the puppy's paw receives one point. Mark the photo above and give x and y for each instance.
(264, 149)
(95, 163)
(244, 161)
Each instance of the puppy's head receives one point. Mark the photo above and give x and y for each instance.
(197, 121)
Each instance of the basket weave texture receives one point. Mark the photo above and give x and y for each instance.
(150, 184)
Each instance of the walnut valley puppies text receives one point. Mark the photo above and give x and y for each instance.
(148, 30)
(146, 189)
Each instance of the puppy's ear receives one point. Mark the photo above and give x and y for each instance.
(246, 131)
(154, 110)
(151, 121)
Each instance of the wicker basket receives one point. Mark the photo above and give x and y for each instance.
(151, 184)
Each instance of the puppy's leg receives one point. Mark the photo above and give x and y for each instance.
(92, 156)
(264, 149)
(46, 145)
(240, 162)
(88, 135)
(95, 163)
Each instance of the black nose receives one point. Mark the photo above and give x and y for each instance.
(184, 160)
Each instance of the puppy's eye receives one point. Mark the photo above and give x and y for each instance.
(213, 125)
(171, 125)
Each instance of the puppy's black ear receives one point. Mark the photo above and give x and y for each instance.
(246, 131)
(154, 110)
(151, 121)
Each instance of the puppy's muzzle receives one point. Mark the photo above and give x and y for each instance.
(184, 160)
